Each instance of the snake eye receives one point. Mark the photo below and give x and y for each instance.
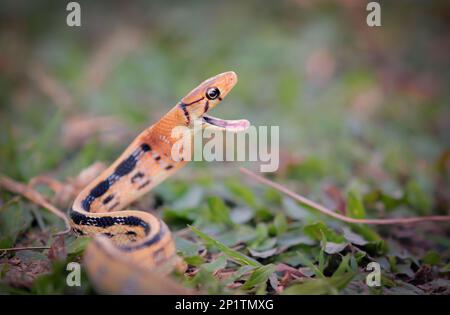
(212, 93)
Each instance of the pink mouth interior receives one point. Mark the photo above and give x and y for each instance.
(229, 125)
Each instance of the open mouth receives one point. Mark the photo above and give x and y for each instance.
(228, 125)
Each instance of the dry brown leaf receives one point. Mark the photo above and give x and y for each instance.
(22, 272)
(57, 250)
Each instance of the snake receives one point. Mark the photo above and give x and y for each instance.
(132, 251)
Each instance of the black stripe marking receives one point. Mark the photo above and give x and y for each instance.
(157, 158)
(156, 238)
(205, 109)
(196, 101)
(126, 166)
(86, 203)
(78, 231)
(108, 199)
(168, 167)
(81, 219)
(144, 184)
(136, 177)
(186, 113)
(100, 189)
(96, 192)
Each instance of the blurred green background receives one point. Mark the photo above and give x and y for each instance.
(360, 108)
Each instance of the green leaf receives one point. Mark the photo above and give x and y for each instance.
(262, 233)
(206, 281)
(218, 264)
(280, 224)
(318, 230)
(355, 207)
(186, 248)
(218, 210)
(321, 258)
(367, 232)
(242, 192)
(343, 266)
(234, 255)
(241, 271)
(258, 276)
(78, 245)
(263, 213)
(294, 238)
(51, 283)
(55, 282)
(432, 258)
(195, 260)
(446, 268)
(191, 199)
(320, 286)
(14, 220)
(311, 168)
(263, 254)
(308, 263)
(353, 238)
(241, 215)
(417, 198)
(296, 211)
(333, 248)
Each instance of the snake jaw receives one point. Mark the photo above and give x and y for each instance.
(225, 125)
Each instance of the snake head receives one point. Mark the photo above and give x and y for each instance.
(206, 96)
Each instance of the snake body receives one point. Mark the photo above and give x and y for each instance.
(130, 247)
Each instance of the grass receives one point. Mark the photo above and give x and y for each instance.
(363, 116)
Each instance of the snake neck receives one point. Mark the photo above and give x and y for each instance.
(143, 165)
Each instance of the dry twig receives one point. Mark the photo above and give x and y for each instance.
(326, 211)
(16, 249)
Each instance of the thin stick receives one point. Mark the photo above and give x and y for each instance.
(182, 232)
(35, 197)
(16, 249)
(322, 209)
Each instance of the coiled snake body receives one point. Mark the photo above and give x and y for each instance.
(130, 247)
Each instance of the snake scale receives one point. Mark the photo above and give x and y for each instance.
(132, 250)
